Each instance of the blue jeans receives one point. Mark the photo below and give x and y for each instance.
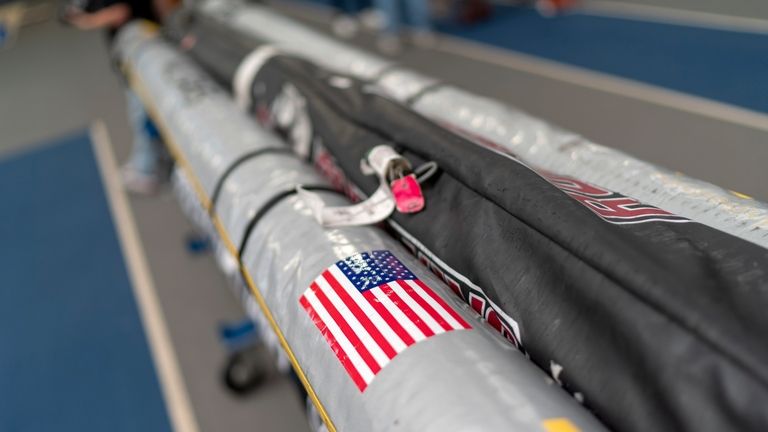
(147, 148)
(416, 11)
(347, 7)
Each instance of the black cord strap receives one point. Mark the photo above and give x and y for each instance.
(384, 72)
(234, 165)
(423, 92)
(268, 206)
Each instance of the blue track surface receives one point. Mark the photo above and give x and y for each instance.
(726, 66)
(74, 354)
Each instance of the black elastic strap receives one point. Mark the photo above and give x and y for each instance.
(233, 166)
(384, 71)
(268, 206)
(421, 93)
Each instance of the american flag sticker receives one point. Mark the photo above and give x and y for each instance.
(370, 307)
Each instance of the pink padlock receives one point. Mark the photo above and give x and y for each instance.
(408, 195)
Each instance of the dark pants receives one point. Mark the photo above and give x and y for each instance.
(347, 6)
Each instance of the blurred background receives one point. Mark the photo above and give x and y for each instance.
(679, 83)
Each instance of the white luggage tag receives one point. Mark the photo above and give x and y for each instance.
(290, 111)
(383, 161)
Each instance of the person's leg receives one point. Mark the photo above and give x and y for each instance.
(390, 10)
(370, 17)
(345, 25)
(142, 171)
(343, 6)
(389, 40)
(420, 20)
(418, 15)
(351, 7)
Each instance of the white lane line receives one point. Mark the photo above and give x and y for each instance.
(161, 347)
(603, 82)
(667, 15)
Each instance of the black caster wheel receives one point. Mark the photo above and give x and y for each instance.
(246, 370)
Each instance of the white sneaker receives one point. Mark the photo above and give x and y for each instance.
(389, 44)
(345, 26)
(372, 19)
(424, 39)
(140, 183)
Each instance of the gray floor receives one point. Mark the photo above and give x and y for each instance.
(56, 80)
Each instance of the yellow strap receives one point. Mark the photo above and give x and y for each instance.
(741, 195)
(205, 201)
(560, 425)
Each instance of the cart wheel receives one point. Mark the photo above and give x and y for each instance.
(197, 244)
(246, 370)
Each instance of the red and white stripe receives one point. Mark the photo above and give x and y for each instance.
(367, 330)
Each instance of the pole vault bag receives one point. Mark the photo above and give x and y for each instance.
(218, 49)
(655, 322)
